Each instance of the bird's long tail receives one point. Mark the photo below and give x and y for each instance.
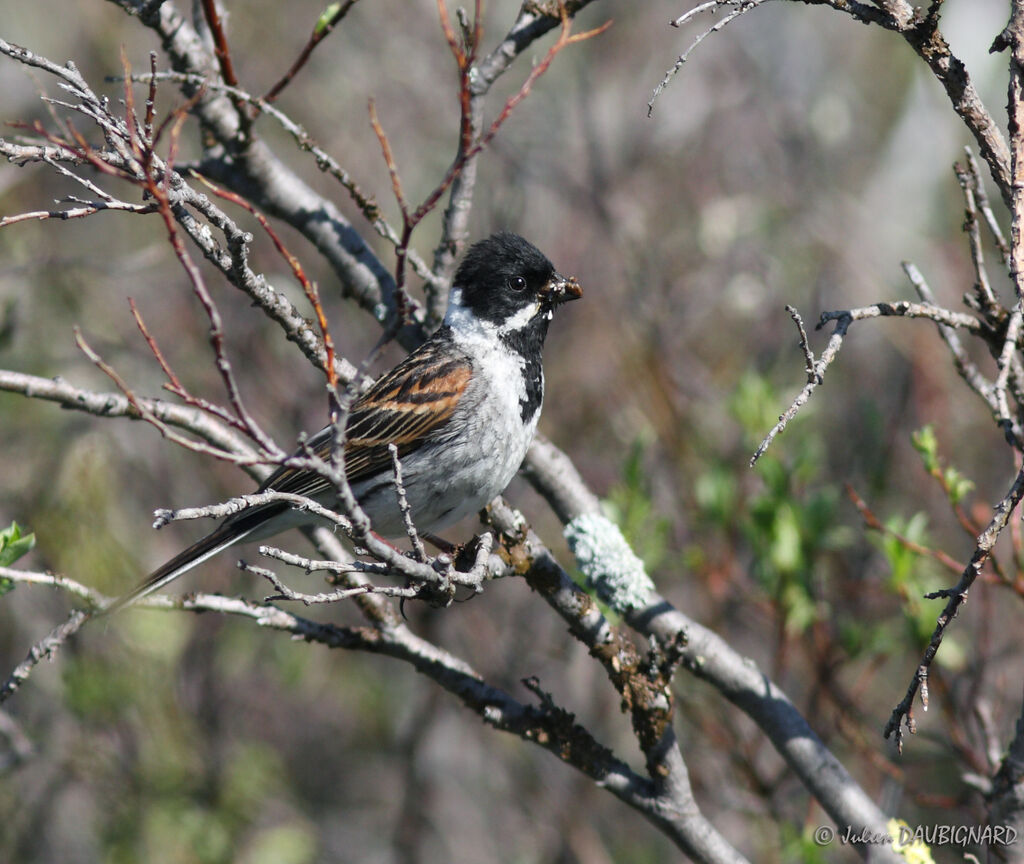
(225, 535)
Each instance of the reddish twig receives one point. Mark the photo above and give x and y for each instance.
(174, 385)
(872, 522)
(137, 139)
(389, 159)
(157, 189)
(310, 288)
(324, 25)
(220, 42)
(955, 597)
(465, 57)
(227, 67)
(468, 148)
(146, 414)
(147, 127)
(409, 222)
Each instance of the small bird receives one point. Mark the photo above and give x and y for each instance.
(462, 410)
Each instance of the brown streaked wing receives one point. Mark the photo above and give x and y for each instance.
(415, 398)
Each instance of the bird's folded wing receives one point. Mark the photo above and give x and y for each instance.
(416, 398)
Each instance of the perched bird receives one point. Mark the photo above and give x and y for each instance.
(462, 410)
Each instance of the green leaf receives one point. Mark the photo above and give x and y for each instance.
(755, 405)
(324, 21)
(13, 544)
(715, 493)
(800, 609)
(927, 445)
(958, 485)
(786, 550)
(903, 562)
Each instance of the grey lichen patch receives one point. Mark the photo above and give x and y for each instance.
(608, 563)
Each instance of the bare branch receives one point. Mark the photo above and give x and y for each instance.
(277, 190)
(969, 183)
(89, 208)
(986, 208)
(545, 725)
(403, 505)
(286, 593)
(844, 318)
(45, 648)
(324, 27)
(814, 379)
(957, 595)
(118, 405)
(742, 6)
(325, 162)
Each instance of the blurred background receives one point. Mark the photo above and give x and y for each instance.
(798, 157)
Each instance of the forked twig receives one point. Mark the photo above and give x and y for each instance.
(742, 6)
(956, 597)
(325, 24)
(467, 151)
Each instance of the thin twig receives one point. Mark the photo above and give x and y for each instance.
(325, 162)
(804, 345)
(843, 318)
(815, 378)
(403, 505)
(981, 196)
(310, 288)
(968, 184)
(328, 20)
(874, 523)
(44, 648)
(742, 6)
(89, 209)
(956, 596)
(286, 593)
(143, 409)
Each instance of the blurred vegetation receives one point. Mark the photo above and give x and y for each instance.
(798, 158)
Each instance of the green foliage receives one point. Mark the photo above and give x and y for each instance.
(790, 529)
(324, 20)
(927, 445)
(911, 576)
(284, 844)
(800, 845)
(631, 506)
(715, 492)
(789, 525)
(13, 545)
(904, 570)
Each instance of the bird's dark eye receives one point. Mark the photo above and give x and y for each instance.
(517, 283)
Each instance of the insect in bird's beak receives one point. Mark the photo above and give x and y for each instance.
(561, 289)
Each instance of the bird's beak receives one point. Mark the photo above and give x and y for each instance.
(561, 289)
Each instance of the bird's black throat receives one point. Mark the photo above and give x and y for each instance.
(527, 342)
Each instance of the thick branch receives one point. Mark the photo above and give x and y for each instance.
(249, 167)
(710, 658)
